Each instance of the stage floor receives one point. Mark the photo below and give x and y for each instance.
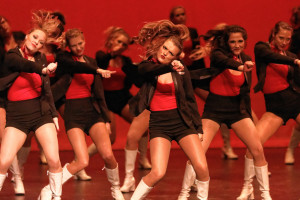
(226, 178)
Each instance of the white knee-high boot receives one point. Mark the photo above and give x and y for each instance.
(55, 182)
(289, 155)
(114, 179)
(16, 172)
(249, 173)
(129, 181)
(202, 189)
(143, 159)
(46, 193)
(263, 180)
(141, 191)
(2, 179)
(188, 180)
(22, 156)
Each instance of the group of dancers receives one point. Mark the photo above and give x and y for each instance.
(48, 73)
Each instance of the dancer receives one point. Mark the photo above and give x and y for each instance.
(230, 84)
(81, 117)
(294, 48)
(116, 88)
(168, 92)
(30, 106)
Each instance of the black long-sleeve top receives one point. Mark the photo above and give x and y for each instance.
(14, 63)
(67, 66)
(264, 56)
(184, 93)
(131, 70)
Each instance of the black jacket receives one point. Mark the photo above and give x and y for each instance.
(67, 66)
(185, 98)
(264, 56)
(14, 63)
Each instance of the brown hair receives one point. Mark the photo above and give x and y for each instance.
(173, 10)
(295, 18)
(153, 35)
(72, 33)
(278, 26)
(112, 33)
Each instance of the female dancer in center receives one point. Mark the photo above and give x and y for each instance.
(85, 110)
(230, 84)
(168, 93)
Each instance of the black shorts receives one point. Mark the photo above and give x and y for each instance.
(26, 115)
(285, 104)
(80, 113)
(168, 124)
(224, 109)
(60, 102)
(2, 99)
(117, 100)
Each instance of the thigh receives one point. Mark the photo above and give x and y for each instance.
(126, 114)
(2, 121)
(139, 125)
(77, 139)
(47, 137)
(100, 137)
(159, 153)
(268, 124)
(210, 129)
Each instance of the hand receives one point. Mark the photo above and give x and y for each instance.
(248, 66)
(55, 120)
(50, 69)
(108, 127)
(177, 66)
(297, 62)
(105, 73)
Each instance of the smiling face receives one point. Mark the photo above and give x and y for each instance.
(236, 43)
(167, 52)
(35, 41)
(77, 45)
(282, 39)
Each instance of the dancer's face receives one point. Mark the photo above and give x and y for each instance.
(282, 39)
(167, 52)
(119, 44)
(77, 45)
(35, 40)
(236, 43)
(179, 16)
(5, 25)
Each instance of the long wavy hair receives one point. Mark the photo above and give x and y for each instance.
(153, 35)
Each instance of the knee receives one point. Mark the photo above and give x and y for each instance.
(108, 156)
(257, 152)
(82, 162)
(132, 141)
(201, 169)
(157, 174)
(54, 163)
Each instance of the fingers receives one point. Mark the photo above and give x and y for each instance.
(55, 120)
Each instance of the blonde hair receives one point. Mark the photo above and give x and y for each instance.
(72, 33)
(153, 35)
(113, 32)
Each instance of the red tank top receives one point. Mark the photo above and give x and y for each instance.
(276, 77)
(164, 97)
(227, 84)
(116, 81)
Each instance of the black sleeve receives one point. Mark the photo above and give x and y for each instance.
(263, 52)
(131, 71)
(17, 63)
(102, 59)
(149, 69)
(220, 60)
(295, 44)
(68, 65)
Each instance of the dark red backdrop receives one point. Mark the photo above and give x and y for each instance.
(94, 16)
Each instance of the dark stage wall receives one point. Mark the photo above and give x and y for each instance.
(94, 16)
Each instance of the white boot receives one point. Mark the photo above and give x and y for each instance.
(55, 182)
(141, 191)
(289, 155)
(2, 179)
(114, 179)
(188, 180)
(249, 173)
(46, 193)
(143, 160)
(82, 176)
(129, 181)
(22, 156)
(263, 180)
(16, 172)
(227, 150)
(202, 189)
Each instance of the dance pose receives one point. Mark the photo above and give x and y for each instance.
(30, 106)
(116, 88)
(294, 48)
(168, 94)
(230, 84)
(85, 110)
